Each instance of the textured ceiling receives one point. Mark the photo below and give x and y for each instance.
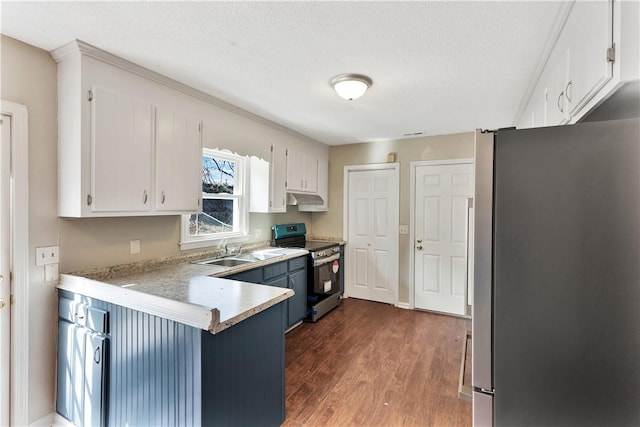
(437, 67)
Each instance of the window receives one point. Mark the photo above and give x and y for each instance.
(224, 210)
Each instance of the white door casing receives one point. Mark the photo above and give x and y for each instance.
(19, 263)
(440, 230)
(371, 230)
(5, 285)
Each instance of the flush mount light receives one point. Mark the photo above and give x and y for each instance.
(351, 86)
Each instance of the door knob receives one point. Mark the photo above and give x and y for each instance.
(419, 247)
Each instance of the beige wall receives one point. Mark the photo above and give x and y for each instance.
(29, 78)
(456, 146)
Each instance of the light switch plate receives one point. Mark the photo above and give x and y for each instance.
(47, 255)
(404, 229)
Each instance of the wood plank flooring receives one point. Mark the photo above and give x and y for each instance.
(371, 364)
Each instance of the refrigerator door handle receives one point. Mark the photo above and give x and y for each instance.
(482, 373)
(469, 271)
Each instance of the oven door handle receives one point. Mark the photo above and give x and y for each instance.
(317, 262)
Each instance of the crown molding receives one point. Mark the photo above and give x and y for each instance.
(78, 47)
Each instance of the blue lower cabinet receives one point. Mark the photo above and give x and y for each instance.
(290, 274)
(83, 354)
(146, 370)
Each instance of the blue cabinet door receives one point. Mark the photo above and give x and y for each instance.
(298, 302)
(95, 387)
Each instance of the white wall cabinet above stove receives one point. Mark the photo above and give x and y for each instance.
(323, 188)
(302, 171)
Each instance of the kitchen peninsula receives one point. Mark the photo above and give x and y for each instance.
(172, 346)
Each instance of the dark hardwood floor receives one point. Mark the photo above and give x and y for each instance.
(371, 364)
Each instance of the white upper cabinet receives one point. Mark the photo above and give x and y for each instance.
(323, 188)
(267, 192)
(127, 144)
(302, 171)
(595, 53)
(121, 152)
(178, 162)
(589, 27)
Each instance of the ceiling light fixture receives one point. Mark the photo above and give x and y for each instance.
(351, 86)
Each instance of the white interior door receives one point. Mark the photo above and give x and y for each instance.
(441, 236)
(372, 235)
(5, 286)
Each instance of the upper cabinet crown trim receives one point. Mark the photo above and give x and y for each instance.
(77, 47)
(554, 35)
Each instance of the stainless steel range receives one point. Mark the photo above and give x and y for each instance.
(323, 267)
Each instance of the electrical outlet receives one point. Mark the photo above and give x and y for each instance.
(51, 273)
(404, 229)
(48, 255)
(135, 247)
(258, 233)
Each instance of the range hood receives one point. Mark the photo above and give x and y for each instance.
(304, 199)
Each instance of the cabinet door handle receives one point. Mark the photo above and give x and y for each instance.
(567, 90)
(96, 355)
(162, 197)
(145, 196)
(560, 107)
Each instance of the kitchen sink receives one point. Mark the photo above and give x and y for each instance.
(225, 262)
(256, 256)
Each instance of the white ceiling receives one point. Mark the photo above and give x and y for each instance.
(437, 67)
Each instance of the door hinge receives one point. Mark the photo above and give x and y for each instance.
(90, 96)
(611, 53)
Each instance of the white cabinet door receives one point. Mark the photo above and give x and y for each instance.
(178, 162)
(295, 180)
(267, 192)
(589, 35)
(121, 144)
(323, 188)
(310, 173)
(278, 179)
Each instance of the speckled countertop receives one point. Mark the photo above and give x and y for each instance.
(193, 294)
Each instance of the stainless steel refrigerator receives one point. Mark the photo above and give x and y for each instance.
(556, 304)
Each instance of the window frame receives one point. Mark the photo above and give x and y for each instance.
(241, 216)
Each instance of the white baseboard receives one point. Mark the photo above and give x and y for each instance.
(404, 305)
